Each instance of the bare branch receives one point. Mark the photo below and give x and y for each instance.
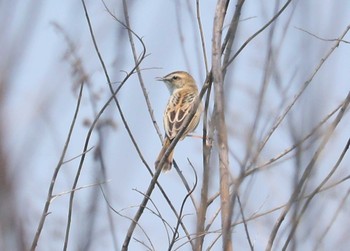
(97, 117)
(54, 196)
(307, 172)
(316, 191)
(131, 35)
(179, 219)
(55, 174)
(257, 33)
(245, 224)
(201, 32)
(332, 220)
(294, 146)
(297, 96)
(323, 39)
(220, 125)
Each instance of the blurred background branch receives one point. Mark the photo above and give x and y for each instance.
(267, 162)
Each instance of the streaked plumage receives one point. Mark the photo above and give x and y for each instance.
(183, 90)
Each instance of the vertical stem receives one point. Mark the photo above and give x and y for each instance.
(202, 211)
(221, 125)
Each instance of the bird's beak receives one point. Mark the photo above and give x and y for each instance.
(160, 78)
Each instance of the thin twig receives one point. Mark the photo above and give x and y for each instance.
(138, 70)
(55, 174)
(54, 196)
(312, 195)
(181, 36)
(332, 220)
(297, 96)
(199, 22)
(144, 244)
(294, 146)
(245, 224)
(257, 33)
(86, 144)
(159, 215)
(306, 173)
(126, 217)
(323, 39)
(78, 156)
(227, 45)
(250, 146)
(79, 69)
(179, 219)
(187, 186)
(270, 211)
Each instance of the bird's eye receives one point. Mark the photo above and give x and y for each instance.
(175, 77)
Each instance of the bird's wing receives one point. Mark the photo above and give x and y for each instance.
(178, 108)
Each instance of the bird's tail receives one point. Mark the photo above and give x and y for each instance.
(169, 160)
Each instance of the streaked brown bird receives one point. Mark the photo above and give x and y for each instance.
(183, 90)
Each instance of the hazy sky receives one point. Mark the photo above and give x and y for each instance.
(43, 89)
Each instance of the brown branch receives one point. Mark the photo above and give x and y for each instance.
(294, 146)
(76, 64)
(245, 224)
(206, 137)
(306, 173)
(187, 186)
(207, 147)
(257, 33)
(297, 96)
(227, 45)
(181, 35)
(323, 39)
(138, 71)
(202, 37)
(312, 195)
(86, 144)
(159, 215)
(256, 216)
(124, 216)
(220, 124)
(332, 220)
(141, 208)
(251, 144)
(55, 174)
(202, 210)
(179, 219)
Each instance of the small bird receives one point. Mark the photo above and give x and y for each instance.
(183, 90)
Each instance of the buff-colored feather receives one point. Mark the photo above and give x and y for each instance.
(183, 91)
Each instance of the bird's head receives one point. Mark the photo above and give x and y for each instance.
(177, 80)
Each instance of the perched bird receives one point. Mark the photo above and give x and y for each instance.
(183, 90)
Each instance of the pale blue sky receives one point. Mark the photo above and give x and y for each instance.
(42, 97)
